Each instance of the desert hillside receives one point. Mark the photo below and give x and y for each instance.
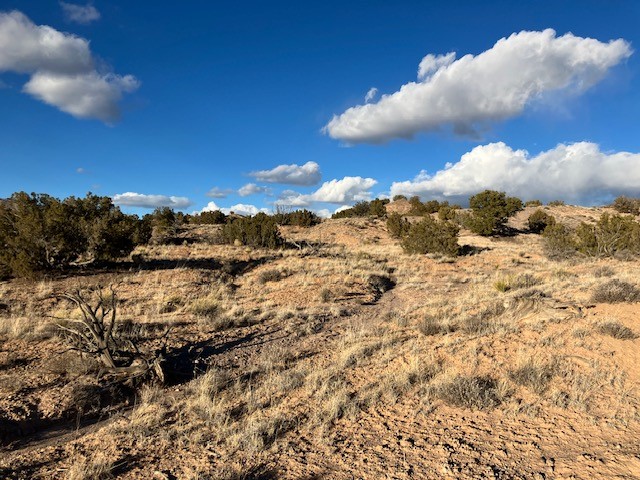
(338, 357)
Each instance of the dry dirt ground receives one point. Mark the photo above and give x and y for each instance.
(344, 359)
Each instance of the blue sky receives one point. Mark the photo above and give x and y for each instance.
(218, 90)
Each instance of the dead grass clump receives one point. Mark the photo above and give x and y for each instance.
(73, 365)
(534, 375)
(100, 466)
(617, 330)
(207, 307)
(272, 275)
(484, 322)
(615, 291)
(480, 392)
(430, 326)
(603, 271)
(525, 280)
(325, 295)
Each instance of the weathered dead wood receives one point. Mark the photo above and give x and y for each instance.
(95, 335)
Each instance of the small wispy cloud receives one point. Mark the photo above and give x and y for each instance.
(371, 94)
(82, 14)
(217, 192)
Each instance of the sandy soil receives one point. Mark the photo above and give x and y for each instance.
(304, 367)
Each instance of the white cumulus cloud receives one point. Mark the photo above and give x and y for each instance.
(82, 14)
(474, 90)
(240, 209)
(62, 69)
(577, 173)
(132, 199)
(253, 189)
(305, 175)
(347, 190)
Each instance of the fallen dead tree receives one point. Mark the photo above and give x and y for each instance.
(97, 335)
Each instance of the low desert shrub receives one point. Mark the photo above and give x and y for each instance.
(556, 203)
(297, 218)
(611, 235)
(533, 203)
(397, 225)
(374, 208)
(615, 291)
(491, 210)
(534, 375)
(559, 242)
(432, 236)
(260, 230)
(480, 392)
(539, 220)
(617, 330)
(624, 204)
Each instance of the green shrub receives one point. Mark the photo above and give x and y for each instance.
(260, 230)
(491, 210)
(397, 225)
(533, 203)
(627, 205)
(539, 220)
(397, 198)
(611, 235)
(448, 212)
(215, 217)
(297, 218)
(559, 242)
(431, 236)
(374, 208)
(556, 203)
(40, 233)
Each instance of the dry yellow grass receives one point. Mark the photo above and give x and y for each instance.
(293, 363)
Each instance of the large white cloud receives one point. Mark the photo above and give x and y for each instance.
(307, 174)
(474, 90)
(132, 199)
(89, 95)
(347, 190)
(82, 14)
(578, 173)
(62, 68)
